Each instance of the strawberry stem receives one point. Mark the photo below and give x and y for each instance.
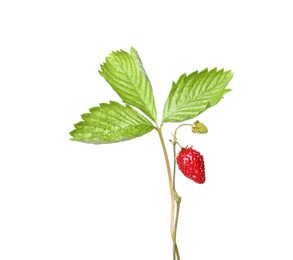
(177, 199)
(179, 127)
(174, 196)
(159, 129)
(174, 163)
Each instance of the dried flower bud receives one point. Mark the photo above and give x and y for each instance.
(199, 128)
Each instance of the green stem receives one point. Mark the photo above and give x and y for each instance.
(175, 247)
(159, 129)
(179, 127)
(174, 164)
(174, 196)
(177, 200)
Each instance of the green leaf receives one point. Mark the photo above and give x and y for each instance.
(125, 73)
(195, 93)
(110, 123)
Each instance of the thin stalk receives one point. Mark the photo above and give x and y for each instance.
(176, 255)
(177, 200)
(159, 129)
(174, 164)
(179, 127)
(174, 196)
(173, 187)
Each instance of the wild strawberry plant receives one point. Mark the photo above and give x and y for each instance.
(113, 122)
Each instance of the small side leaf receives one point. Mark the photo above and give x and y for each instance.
(195, 93)
(126, 75)
(110, 123)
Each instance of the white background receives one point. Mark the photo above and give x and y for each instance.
(69, 200)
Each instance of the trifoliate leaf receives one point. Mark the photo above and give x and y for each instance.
(110, 123)
(195, 93)
(125, 73)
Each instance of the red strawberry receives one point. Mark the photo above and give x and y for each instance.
(191, 164)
